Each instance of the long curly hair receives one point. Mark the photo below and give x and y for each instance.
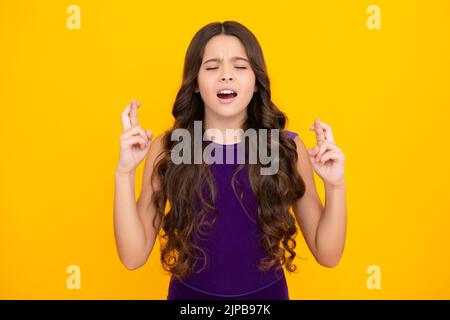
(182, 184)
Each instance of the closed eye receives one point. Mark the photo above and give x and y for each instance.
(217, 68)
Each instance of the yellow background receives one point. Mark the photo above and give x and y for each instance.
(386, 94)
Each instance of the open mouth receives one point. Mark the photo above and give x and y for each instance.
(226, 94)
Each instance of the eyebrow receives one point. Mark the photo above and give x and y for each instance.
(219, 60)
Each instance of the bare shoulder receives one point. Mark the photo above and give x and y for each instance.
(154, 154)
(302, 152)
(308, 209)
(156, 147)
(304, 165)
(147, 211)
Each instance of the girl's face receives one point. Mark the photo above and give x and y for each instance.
(225, 65)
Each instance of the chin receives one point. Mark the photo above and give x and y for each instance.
(228, 111)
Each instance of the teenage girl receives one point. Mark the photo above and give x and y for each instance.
(226, 230)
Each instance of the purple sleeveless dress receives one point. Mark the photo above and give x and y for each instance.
(232, 246)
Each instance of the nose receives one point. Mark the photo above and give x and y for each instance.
(226, 74)
(224, 78)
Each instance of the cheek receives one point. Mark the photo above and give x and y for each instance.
(249, 78)
(249, 87)
(206, 84)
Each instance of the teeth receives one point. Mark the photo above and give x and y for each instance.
(226, 91)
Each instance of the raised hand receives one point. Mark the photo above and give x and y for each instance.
(134, 141)
(327, 158)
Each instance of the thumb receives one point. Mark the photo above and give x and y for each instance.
(312, 151)
(312, 159)
(149, 134)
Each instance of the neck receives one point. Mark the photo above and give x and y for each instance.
(214, 121)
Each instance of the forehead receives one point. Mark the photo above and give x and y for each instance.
(224, 47)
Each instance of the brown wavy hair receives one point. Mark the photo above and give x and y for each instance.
(182, 184)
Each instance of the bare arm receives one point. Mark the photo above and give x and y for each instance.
(133, 222)
(129, 230)
(331, 231)
(323, 228)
